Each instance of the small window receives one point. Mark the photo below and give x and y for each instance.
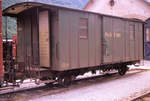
(83, 33)
(132, 32)
(147, 34)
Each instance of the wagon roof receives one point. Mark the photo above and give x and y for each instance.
(15, 9)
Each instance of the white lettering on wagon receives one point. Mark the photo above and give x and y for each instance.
(110, 35)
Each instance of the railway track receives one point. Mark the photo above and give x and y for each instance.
(145, 97)
(51, 89)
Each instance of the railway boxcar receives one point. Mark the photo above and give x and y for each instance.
(57, 43)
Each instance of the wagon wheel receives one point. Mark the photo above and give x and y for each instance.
(64, 81)
(122, 70)
(1, 83)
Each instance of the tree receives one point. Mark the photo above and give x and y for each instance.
(11, 22)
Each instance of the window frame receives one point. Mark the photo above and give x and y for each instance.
(83, 28)
(132, 32)
(147, 39)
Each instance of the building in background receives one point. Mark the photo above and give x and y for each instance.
(147, 37)
(139, 9)
(147, 40)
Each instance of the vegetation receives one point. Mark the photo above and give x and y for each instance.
(78, 4)
(11, 22)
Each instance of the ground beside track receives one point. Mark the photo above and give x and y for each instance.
(143, 98)
(103, 88)
(107, 88)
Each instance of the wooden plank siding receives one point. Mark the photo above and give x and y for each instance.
(28, 46)
(79, 40)
(44, 38)
(121, 40)
(74, 39)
